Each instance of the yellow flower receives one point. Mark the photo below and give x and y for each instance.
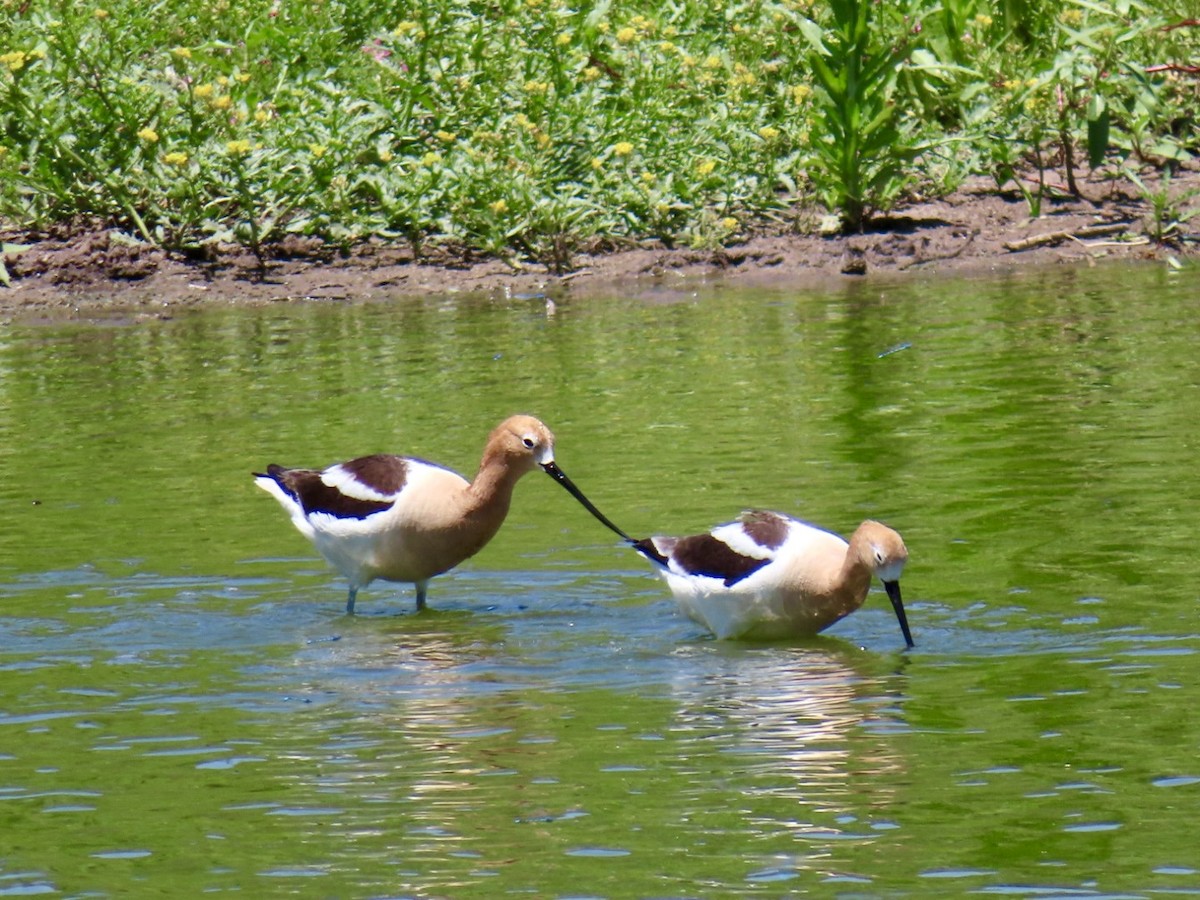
(448, 137)
(729, 223)
(591, 73)
(100, 13)
(14, 60)
(983, 21)
(543, 139)
(405, 28)
(743, 77)
(768, 133)
(800, 93)
(622, 148)
(536, 87)
(175, 158)
(222, 102)
(242, 77)
(597, 163)
(317, 150)
(667, 47)
(182, 52)
(237, 148)
(385, 156)
(627, 35)
(563, 39)
(1071, 17)
(499, 207)
(203, 90)
(705, 167)
(262, 115)
(431, 159)
(712, 62)
(648, 178)
(149, 135)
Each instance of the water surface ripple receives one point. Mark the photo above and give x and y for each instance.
(185, 709)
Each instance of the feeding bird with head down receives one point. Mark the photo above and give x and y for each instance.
(769, 576)
(399, 518)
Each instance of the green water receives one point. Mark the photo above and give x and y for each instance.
(185, 709)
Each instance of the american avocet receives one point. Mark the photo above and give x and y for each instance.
(404, 519)
(770, 576)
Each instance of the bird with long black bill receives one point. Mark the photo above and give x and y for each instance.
(769, 576)
(399, 518)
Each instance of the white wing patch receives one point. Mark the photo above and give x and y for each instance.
(735, 537)
(344, 481)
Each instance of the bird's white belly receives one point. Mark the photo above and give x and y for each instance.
(756, 614)
(366, 549)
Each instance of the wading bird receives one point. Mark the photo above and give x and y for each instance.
(399, 518)
(771, 576)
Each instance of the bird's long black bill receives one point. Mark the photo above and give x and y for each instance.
(561, 477)
(893, 592)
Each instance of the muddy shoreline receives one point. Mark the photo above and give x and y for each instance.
(976, 230)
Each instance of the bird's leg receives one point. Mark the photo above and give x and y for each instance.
(421, 588)
(350, 598)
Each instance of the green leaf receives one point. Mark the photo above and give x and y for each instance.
(1097, 132)
(1083, 38)
(834, 85)
(815, 35)
(1169, 149)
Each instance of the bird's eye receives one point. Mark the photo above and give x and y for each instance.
(528, 442)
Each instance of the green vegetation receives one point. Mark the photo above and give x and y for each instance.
(529, 128)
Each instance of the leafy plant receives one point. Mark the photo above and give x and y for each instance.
(861, 145)
(1082, 92)
(1169, 211)
(526, 129)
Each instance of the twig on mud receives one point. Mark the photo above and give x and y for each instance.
(1057, 237)
(1092, 245)
(1174, 67)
